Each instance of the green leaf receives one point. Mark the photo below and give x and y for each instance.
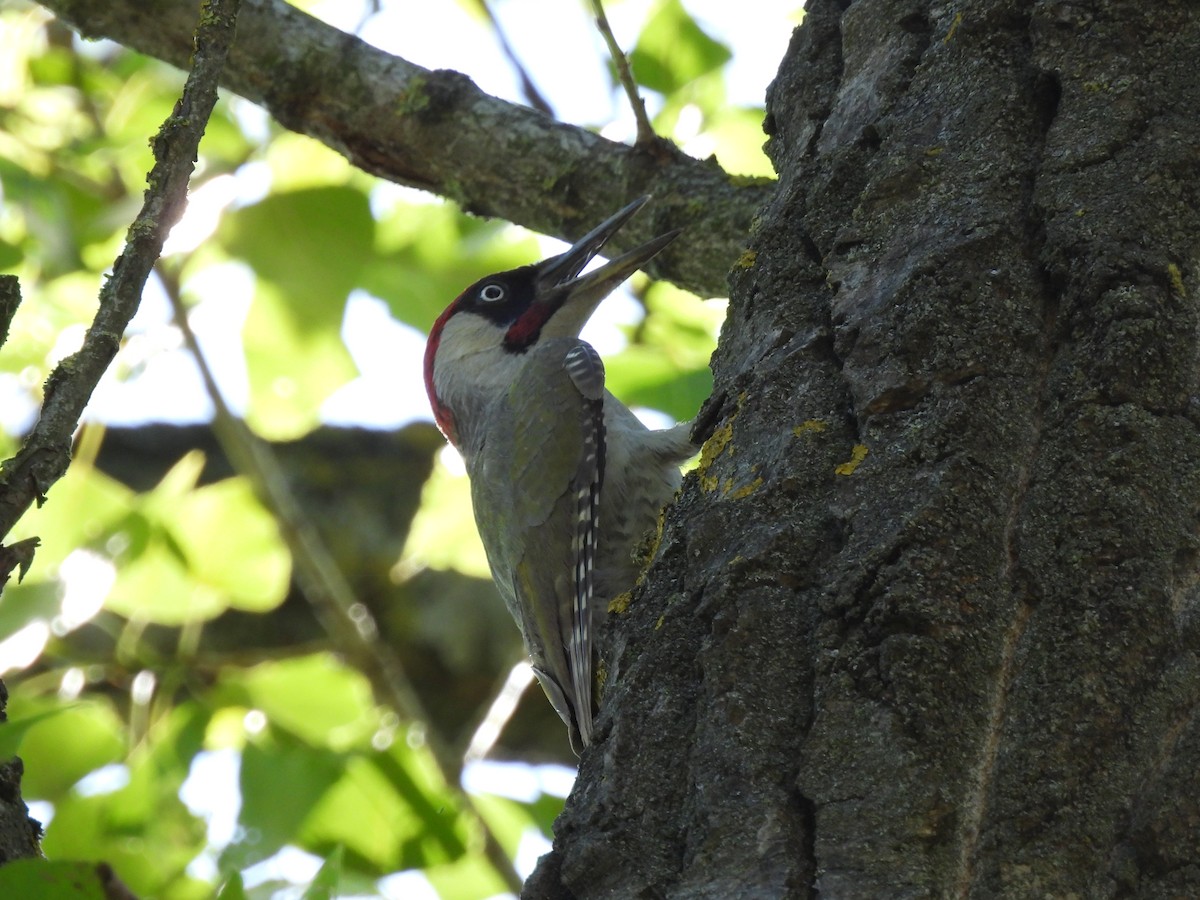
(45, 879)
(143, 828)
(13, 731)
(443, 534)
(191, 553)
(642, 376)
(681, 325)
(668, 368)
(507, 819)
(180, 480)
(28, 602)
(738, 137)
(673, 50)
(10, 255)
(312, 244)
(233, 545)
(294, 363)
(82, 509)
(316, 698)
(466, 879)
(282, 780)
(430, 253)
(157, 587)
(65, 742)
(308, 248)
(232, 889)
(325, 885)
(381, 829)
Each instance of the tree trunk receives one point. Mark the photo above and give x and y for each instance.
(924, 622)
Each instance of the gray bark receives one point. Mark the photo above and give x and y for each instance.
(968, 665)
(20, 835)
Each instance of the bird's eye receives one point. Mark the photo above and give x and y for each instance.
(492, 293)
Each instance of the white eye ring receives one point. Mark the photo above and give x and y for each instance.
(492, 293)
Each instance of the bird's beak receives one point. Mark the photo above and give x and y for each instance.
(577, 296)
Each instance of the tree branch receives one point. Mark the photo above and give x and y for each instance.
(435, 130)
(46, 452)
(646, 134)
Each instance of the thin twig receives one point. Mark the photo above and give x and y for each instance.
(532, 95)
(46, 451)
(645, 131)
(347, 620)
(10, 299)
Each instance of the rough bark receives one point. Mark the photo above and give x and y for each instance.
(965, 663)
(20, 835)
(435, 130)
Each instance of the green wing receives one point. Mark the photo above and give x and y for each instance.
(535, 484)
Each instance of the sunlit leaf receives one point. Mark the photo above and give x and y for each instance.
(51, 880)
(180, 480)
(64, 306)
(382, 829)
(232, 889)
(673, 50)
(25, 603)
(147, 855)
(429, 253)
(14, 730)
(643, 376)
(298, 162)
(158, 587)
(443, 534)
(311, 243)
(143, 828)
(295, 362)
(412, 773)
(282, 780)
(325, 885)
(667, 369)
(315, 697)
(82, 509)
(468, 878)
(681, 324)
(308, 248)
(507, 818)
(737, 136)
(233, 545)
(73, 740)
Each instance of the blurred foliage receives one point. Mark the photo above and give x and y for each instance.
(121, 700)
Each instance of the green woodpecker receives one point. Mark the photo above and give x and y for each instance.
(565, 480)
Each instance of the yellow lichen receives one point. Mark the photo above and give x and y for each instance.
(718, 443)
(1176, 278)
(746, 260)
(659, 623)
(953, 28)
(809, 426)
(709, 453)
(620, 603)
(857, 455)
(747, 489)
